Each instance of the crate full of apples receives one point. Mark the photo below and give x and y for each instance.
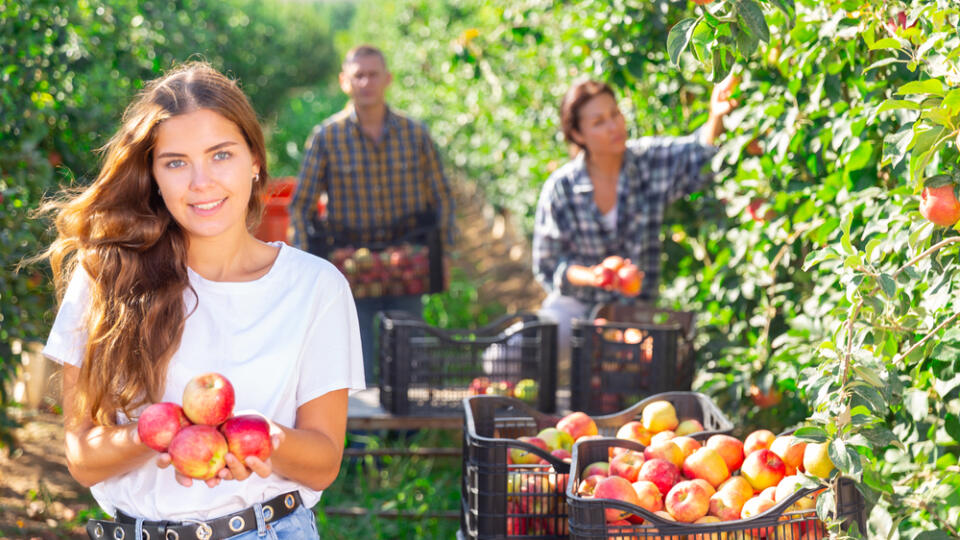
(392, 271)
(199, 432)
(517, 460)
(704, 488)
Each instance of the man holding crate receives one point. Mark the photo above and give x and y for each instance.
(383, 179)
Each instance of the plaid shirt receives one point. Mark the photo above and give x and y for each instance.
(568, 228)
(370, 186)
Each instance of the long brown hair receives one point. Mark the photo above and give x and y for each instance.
(576, 97)
(119, 231)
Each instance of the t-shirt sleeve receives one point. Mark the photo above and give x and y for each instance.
(332, 357)
(68, 337)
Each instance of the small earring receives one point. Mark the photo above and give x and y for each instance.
(256, 177)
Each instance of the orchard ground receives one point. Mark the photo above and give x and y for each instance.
(40, 500)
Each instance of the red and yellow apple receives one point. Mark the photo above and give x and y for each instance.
(521, 456)
(556, 439)
(627, 465)
(688, 427)
(762, 469)
(659, 416)
(666, 450)
(790, 449)
(198, 451)
(618, 488)
(208, 399)
(730, 449)
(159, 422)
(761, 438)
(578, 424)
(247, 435)
(635, 431)
(687, 501)
(661, 472)
(708, 464)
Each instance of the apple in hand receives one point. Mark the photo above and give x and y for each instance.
(208, 399)
(630, 279)
(247, 435)
(198, 451)
(763, 469)
(159, 422)
(613, 262)
(687, 501)
(578, 424)
(730, 449)
(604, 277)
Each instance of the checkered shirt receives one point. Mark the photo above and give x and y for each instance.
(569, 230)
(370, 186)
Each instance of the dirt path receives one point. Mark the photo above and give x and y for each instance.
(40, 500)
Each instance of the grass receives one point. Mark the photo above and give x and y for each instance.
(412, 486)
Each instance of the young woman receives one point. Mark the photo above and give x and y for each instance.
(163, 280)
(610, 199)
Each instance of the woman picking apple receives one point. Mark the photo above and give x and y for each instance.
(162, 281)
(601, 213)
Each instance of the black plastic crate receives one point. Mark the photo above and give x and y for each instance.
(492, 507)
(640, 351)
(403, 258)
(588, 522)
(425, 370)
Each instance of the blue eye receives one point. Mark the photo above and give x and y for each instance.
(174, 164)
(221, 155)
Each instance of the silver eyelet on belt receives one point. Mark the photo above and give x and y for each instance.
(289, 501)
(267, 512)
(171, 535)
(236, 523)
(98, 530)
(118, 533)
(204, 532)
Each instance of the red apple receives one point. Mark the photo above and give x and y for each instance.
(616, 487)
(790, 450)
(940, 205)
(630, 279)
(689, 445)
(604, 277)
(756, 506)
(729, 448)
(208, 399)
(706, 463)
(706, 485)
(650, 497)
(247, 435)
(726, 504)
(664, 435)
(578, 424)
(761, 438)
(589, 485)
(627, 465)
(198, 451)
(635, 431)
(762, 469)
(521, 456)
(666, 450)
(688, 427)
(661, 472)
(687, 501)
(159, 422)
(613, 262)
(739, 486)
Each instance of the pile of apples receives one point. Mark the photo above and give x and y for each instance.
(525, 389)
(394, 271)
(198, 434)
(678, 478)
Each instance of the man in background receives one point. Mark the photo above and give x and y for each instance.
(381, 174)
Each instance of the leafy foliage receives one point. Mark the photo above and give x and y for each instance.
(810, 269)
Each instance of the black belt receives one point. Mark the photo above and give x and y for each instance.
(124, 528)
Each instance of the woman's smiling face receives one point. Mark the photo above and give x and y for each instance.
(204, 169)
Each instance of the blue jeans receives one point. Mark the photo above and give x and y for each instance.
(301, 524)
(367, 309)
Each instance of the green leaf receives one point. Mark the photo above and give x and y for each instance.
(679, 38)
(916, 404)
(935, 535)
(893, 104)
(816, 257)
(952, 101)
(929, 86)
(845, 457)
(881, 437)
(723, 61)
(869, 376)
(952, 425)
(811, 434)
(895, 145)
(888, 285)
(826, 505)
(938, 180)
(750, 15)
(747, 43)
(885, 43)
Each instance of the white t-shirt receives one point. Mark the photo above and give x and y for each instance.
(282, 340)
